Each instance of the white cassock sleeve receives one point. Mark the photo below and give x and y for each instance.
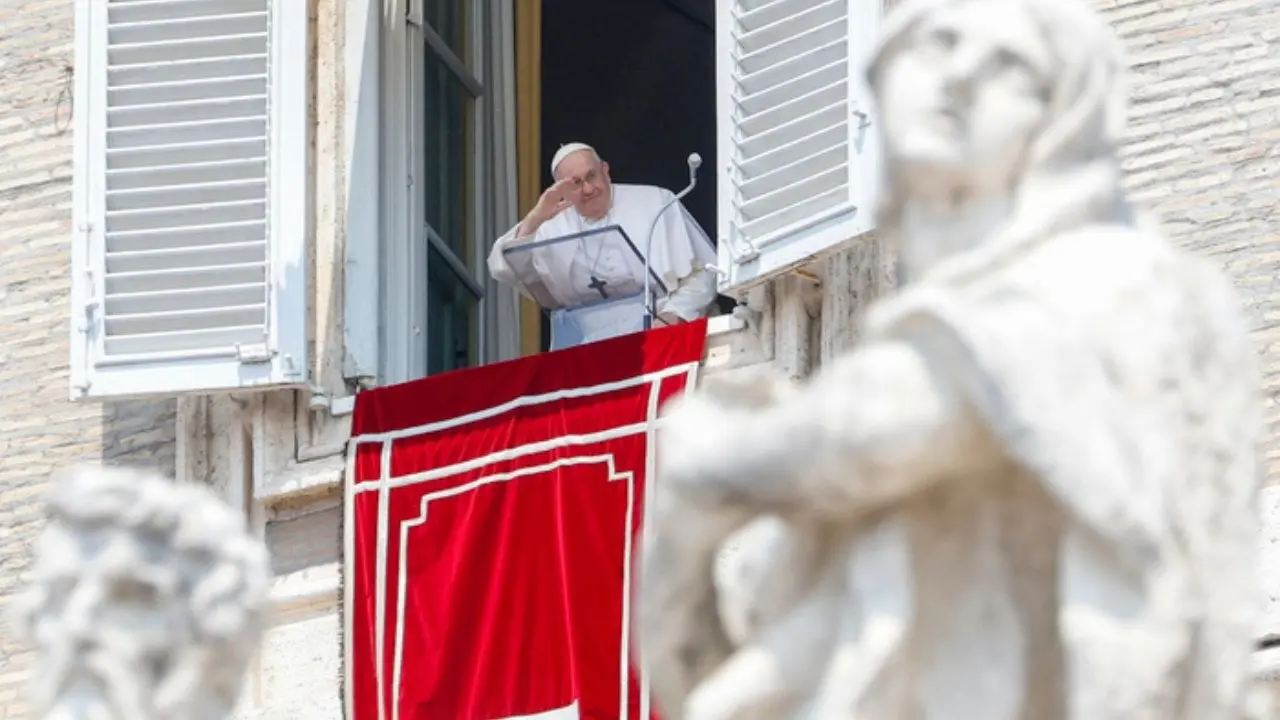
(690, 299)
(499, 268)
(549, 263)
(681, 250)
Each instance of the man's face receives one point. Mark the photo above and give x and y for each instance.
(591, 187)
(110, 624)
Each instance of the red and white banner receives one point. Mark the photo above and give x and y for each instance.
(492, 520)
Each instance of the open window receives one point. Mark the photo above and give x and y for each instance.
(770, 93)
(443, 72)
(639, 86)
(445, 194)
(189, 263)
(799, 160)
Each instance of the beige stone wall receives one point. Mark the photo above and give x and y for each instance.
(40, 428)
(1203, 148)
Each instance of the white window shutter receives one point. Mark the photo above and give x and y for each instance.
(189, 255)
(797, 146)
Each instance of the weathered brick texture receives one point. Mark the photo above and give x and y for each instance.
(39, 427)
(1204, 146)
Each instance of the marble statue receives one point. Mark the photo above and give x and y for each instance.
(1028, 493)
(146, 600)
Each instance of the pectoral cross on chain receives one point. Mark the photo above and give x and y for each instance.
(598, 285)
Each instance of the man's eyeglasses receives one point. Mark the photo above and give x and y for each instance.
(592, 177)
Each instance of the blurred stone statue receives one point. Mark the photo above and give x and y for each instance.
(1028, 494)
(146, 600)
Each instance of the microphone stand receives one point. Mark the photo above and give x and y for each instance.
(694, 161)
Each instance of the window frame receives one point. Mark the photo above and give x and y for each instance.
(383, 245)
(424, 39)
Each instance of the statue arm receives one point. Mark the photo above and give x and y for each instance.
(877, 425)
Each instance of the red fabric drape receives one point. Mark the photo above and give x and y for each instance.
(492, 527)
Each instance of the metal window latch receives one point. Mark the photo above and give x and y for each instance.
(85, 325)
(741, 256)
(252, 354)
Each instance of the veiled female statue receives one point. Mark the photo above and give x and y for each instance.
(1027, 494)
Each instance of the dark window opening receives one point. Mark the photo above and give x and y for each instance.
(635, 79)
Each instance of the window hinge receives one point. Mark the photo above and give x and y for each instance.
(85, 325)
(252, 354)
(741, 257)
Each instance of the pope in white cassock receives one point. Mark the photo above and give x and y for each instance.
(605, 270)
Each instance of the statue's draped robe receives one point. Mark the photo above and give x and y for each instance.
(1116, 374)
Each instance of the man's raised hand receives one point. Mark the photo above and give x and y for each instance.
(554, 200)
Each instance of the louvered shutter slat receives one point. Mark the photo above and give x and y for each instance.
(226, 100)
(224, 233)
(186, 142)
(185, 298)
(173, 345)
(171, 258)
(795, 161)
(780, 42)
(251, 169)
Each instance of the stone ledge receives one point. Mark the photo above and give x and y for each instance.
(724, 324)
(302, 478)
(318, 585)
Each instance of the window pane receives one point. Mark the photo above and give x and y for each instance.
(446, 111)
(451, 318)
(449, 19)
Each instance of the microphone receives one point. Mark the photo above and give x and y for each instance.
(694, 161)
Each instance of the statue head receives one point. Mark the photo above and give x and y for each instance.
(146, 599)
(1016, 98)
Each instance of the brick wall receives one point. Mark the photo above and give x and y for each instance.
(39, 427)
(1204, 145)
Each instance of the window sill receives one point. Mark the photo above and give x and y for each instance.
(316, 586)
(724, 325)
(303, 477)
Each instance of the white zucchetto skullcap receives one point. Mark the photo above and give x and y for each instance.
(565, 151)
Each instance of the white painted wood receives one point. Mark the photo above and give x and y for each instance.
(191, 202)
(487, 70)
(362, 132)
(797, 144)
(394, 198)
(1269, 564)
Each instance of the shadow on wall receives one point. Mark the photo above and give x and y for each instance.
(140, 433)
